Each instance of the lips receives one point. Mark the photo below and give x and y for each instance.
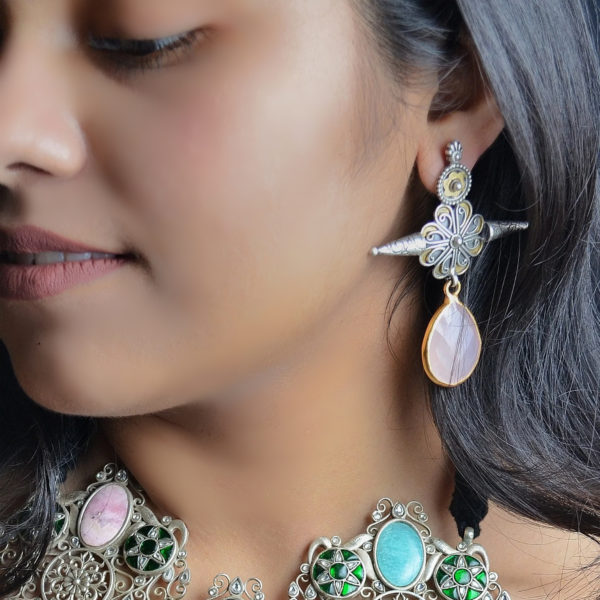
(33, 281)
(32, 239)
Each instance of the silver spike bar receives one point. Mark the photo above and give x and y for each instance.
(498, 229)
(409, 245)
(414, 244)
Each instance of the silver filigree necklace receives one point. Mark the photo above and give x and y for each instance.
(108, 545)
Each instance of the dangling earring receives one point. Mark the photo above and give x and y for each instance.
(452, 343)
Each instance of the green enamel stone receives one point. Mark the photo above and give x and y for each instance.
(339, 571)
(148, 547)
(462, 576)
(59, 524)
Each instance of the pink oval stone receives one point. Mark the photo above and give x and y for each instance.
(104, 515)
(452, 348)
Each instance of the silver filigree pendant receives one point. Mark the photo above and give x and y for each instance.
(107, 544)
(396, 558)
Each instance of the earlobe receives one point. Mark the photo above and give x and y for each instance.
(476, 127)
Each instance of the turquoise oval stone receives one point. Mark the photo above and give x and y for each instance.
(399, 554)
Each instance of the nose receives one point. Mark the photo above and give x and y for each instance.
(39, 130)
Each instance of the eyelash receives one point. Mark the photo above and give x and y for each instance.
(136, 55)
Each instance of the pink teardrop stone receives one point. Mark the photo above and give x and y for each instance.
(104, 516)
(454, 345)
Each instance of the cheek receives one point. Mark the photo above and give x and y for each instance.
(246, 208)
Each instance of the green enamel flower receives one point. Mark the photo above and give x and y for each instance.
(338, 572)
(461, 577)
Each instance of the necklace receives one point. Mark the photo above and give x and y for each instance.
(108, 545)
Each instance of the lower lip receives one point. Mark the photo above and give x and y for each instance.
(33, 282)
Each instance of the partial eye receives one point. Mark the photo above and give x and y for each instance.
(143, 54)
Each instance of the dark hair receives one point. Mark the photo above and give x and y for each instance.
(522, 431)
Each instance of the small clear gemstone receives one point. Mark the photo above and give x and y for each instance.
(185, 577)
(236, 586)
(456, 241)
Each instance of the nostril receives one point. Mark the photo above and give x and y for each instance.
(23, 166)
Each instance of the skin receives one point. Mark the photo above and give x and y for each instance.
(240, 366)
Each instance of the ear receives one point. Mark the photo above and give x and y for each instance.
(475, 126)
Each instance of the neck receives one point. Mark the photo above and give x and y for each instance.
(305, 450)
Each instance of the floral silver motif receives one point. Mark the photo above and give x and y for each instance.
(77, 575)
(159, 553)
(72, 571)
(338, 570)
(454, 152)
(462, 576)
(452, 239)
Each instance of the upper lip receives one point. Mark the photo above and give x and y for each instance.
(32, 239)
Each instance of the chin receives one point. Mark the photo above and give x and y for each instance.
(71, 395)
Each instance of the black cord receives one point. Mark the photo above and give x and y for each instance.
(467, 507)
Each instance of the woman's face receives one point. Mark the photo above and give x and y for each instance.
(251, 173)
